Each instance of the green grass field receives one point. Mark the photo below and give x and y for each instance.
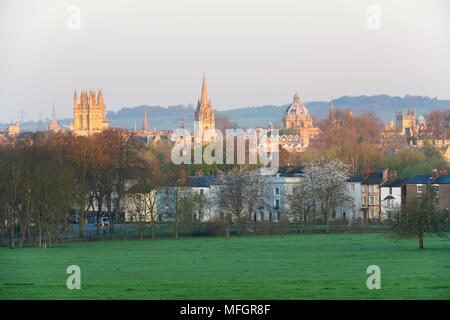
(317, 266)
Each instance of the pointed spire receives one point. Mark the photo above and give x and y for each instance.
(331, 111)
(53, 114)
(296, 98)
(204, 97)
(409, 110)
(145, 123)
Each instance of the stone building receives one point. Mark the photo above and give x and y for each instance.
(204, 114)
(406, 122)
(89, 116)
(298, 120)
(370, 195)
(13, 130)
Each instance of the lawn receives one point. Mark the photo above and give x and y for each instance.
(317, 266)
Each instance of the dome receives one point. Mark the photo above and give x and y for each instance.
(296, 111)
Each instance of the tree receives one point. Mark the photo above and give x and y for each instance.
(223, 122)
(230, 196)
(136, 203)
(300, 204)
(418, 216)
(325, 181)
(438, 124)
(256, 191)
(150, 179)
(174, 194)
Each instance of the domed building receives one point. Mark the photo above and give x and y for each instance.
(296, 115)
(298, 121)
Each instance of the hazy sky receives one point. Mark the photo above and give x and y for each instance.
(254, 52)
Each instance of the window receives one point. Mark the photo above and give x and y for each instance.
(371, 200)
(419, 189)
(270, 216)
(276, 204)
(277, 190)
(436, 201)
(278, 216)
(352, 187)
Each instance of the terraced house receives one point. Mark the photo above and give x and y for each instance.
(439, 180)
(370, 195)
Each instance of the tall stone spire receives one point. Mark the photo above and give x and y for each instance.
(331, 111)
(204, 98)
(53, 113)
(145, 123)
(204, 113)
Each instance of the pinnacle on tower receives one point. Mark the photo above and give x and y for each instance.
(100, 97)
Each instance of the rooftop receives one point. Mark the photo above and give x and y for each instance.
(426, 178)
(373, 178)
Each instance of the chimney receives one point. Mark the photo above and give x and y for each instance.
(368, 172)
(435, 173)
(385, 174)
(392, 175)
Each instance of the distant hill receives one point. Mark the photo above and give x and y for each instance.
(260, 116)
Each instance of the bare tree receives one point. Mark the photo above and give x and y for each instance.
(230, 197)
(136, 204)
(256, 191)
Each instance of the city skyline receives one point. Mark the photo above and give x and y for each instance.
(253, 53)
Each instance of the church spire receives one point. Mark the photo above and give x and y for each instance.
(145, 123)
(53, 113)
(204, 98)
(331, 111)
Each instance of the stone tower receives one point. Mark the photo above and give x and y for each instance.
(89, 116)
(204, 113)
(406, 122)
